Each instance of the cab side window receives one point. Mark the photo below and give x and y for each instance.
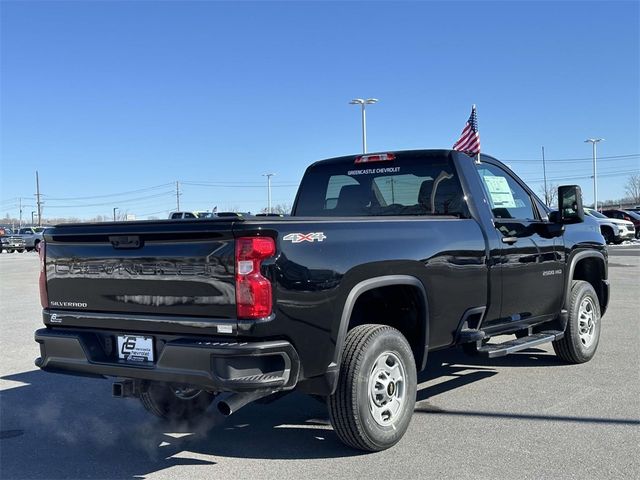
(505, 195)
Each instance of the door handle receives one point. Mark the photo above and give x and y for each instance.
(509, 240)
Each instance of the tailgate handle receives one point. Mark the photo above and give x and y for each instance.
(127, 241)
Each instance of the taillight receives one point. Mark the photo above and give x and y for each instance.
(42, 281)
(379, 157)
(253, 291)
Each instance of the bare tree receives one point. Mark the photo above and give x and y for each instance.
(550, 194)
(281, 209)
(632, 188)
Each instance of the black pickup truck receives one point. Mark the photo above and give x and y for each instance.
(385, 258)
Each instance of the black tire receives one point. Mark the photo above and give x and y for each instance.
(573, 348)
(10, 250)
(21, 250)
(349, 406)
(161, 400)
(607, 233)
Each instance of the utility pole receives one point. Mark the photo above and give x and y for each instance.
(544, 172)
(38, 202)
(32, 220)
(20, 207)
(114, 213)
(178, 195)
(593, 142)
(268, 175)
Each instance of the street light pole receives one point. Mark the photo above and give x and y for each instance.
(593, 142)
(268, 175)
(363, 103)
(33, 223)
(544, 172)
(114, 213)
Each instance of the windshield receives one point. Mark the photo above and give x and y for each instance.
(593, 213)
(413, 184)
(634, 215)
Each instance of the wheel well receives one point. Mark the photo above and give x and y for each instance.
(606, 228)
(591, 270)
(399, 306)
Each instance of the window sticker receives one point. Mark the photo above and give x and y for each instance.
(500, 193)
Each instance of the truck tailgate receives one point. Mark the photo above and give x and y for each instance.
(163, 268)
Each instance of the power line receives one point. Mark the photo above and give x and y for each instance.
(132, 200)
(110, 195)
(583, 177)
(571, 160)
(221, 185)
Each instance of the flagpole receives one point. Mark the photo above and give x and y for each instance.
(473, 107)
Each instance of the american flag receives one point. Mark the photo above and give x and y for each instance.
(469, 141)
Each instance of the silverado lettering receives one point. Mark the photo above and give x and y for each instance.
(131, 268)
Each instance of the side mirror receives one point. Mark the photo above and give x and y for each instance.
(570, 204)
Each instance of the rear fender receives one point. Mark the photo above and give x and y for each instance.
(370, 284)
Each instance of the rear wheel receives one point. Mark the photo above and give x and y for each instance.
(376, 394)
(582, 334)
(175, 402)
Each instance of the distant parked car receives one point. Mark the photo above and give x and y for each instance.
(192, 215)
(32, 236)
(12, 243)
(629, 215)
(613, 230)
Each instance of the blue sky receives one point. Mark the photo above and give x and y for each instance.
(111, 97)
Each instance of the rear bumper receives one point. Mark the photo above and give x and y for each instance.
(211, 364)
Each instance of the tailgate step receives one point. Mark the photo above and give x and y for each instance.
(515, 345)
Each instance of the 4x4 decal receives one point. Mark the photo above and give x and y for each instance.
(304, 237)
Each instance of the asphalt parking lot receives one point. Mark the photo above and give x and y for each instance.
(524, 416)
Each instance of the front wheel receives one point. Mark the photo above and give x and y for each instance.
(376, 394)
(582, 334)
(607, 233)
(175, 402)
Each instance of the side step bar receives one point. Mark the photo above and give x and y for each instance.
(515, 345)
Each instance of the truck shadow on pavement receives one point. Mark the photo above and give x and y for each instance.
(57, 426)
